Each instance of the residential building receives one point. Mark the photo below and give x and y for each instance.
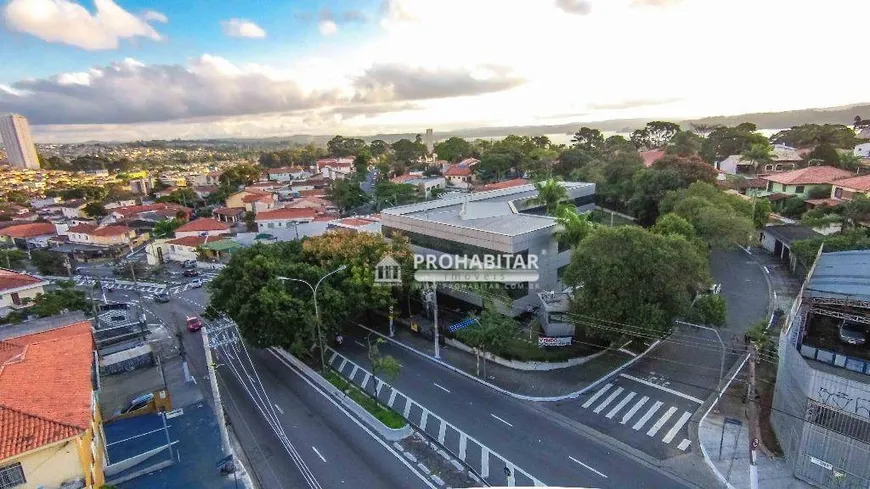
(357, 224)
(230, 215)
(320, 205)
(257, 203)
(425, 185)
(24, 236)
(461, 174)
(803, 181)
(784, 158)
(141, 186)
(821, 402)
(73, 209)
(337, 171)
(181, 249)
(42, 203)
(17, 290)
(49, 411)
(287, 174)
(283, 218)
(202, 227)
(163, 210)
(101, 236)
(333, 162)
(779, 239)
(847, 188)
(15, 133)
(862, 150)
(237, 199)
(493, 222)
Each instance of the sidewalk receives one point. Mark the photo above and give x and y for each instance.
(732, 437)
(536, 384)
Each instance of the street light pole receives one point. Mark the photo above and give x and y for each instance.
(721, 343)
(316, 309)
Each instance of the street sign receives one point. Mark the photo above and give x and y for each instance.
(733, 421)
(461, 325)
(554, 340)
(821, 463)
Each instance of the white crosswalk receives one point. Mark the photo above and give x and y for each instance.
(647, 417)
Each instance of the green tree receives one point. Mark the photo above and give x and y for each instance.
(238, 175)
(720, 219)
(835, 135)
(361, 162)
(848, 160)
(49, 263)
(852, 239)
(758, 154)
(185, 196)
(489, 333)
(723, 142)
(856, 211)
(251, 221)
(95, 210)
(346, 195)
(709, 309)
(454, 149)
(588, 139)
(551, 193)
(407, 151)
(382, 366)
(340, 146)
(494, 166)
(12, 258)
(16, 197)
(793, 207)
(64, 298)
(389, 194)
(684, 143)
(636, 281)
(166, 227)
(571, 226)
(825, 154)
(655, 134)
(671, 223)
(379, 147)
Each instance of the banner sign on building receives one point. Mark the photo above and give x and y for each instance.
(554, 341)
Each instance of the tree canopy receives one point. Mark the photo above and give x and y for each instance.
(453, 149)
(834, 135)
(244, 174)
(340, 146)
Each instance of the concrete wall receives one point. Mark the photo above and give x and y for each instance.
(50, 465)
(31, 293)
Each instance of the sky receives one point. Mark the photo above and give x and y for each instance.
(118, 70)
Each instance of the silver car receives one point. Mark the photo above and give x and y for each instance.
(853, 333)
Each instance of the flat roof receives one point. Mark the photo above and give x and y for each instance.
(841, 275)
(789, 233)
(486, 211)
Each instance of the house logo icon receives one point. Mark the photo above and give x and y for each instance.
(388, 271)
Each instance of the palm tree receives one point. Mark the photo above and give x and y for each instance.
(758, 154)
(572, 227)
(550, 193)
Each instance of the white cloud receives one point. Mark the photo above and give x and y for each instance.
(242, 28)
(151, 15)
(67, 22)
(327, 27)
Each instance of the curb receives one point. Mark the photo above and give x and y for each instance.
(527, 366)
(523, 397)
(388, 433)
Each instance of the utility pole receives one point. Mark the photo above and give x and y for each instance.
(218, 406)
(392, 331)
(139, 294)
(752, 414)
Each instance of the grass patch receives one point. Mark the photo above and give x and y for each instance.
(390, 418)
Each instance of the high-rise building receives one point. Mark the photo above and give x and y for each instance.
(15, 132)
(429, 140)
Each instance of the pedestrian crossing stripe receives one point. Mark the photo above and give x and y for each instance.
(619, 399)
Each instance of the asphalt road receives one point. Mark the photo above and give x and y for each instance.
(543, 444)
(335, 449)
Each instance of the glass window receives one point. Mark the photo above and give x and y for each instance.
(800, 189)
(11, 476)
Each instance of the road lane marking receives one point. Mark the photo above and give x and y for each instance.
(408, 405)
(661, 421)
(652, 410)
(463, 445)
(359, 343)
(279, 409)
(318, 454)
(631, 412)
(353, 372)
(587, 467)
(365, 381)
(343, 363)
(424, 419)
(621, 405)
(597, 395)
(332, 358)
(669, 437)
(662, 388)
(484, 462)
(442, 431)
(442, 388)
(503, 421)
(684, 444)
(392, 398)
(609, 399)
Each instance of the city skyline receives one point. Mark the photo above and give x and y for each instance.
(82, 70)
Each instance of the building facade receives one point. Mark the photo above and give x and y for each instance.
(821, 403)
(17, 290)
(493, 222)
(15, 132)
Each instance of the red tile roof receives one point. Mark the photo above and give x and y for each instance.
(29, 230)
(356, 221)
(403, 178)
(277, 214)
(825, 202)
(137, 209)
(203, 224)
(12, 280)
(458, 171)
(191, 241)
(257, 198)
(312, 193)
(229, 211)
(310, 201)
(861, 183)
(93, 230)
(651, 156)
(810, 175)
(46, 392)
(516, 182)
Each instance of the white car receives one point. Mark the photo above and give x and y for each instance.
(196, 283)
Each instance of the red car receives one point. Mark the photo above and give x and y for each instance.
(194, 324)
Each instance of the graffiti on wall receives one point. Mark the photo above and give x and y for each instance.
(844, 402)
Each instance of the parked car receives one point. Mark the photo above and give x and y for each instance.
(853, 333)
(190, 273)
(194, 324)
(189, 264)
(161, 297)
(138, 403)
(196, 283)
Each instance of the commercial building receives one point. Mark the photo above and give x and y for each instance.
(821, 404)
(15, 132)
(500, 221)
(49, 411)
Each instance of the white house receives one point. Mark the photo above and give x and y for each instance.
(862, 150)
(202, 227)
(16, 289)
(287, 174)
(283, 218)
(73, 208)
